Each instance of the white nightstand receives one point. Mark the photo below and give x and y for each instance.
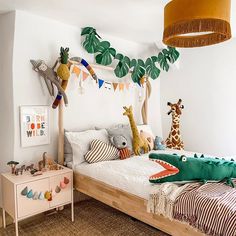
(20, 206)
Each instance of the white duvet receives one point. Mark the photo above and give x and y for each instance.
(130, 175)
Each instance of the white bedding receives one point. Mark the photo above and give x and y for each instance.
(130, 175)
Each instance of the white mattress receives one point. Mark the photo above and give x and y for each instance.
(130, 175)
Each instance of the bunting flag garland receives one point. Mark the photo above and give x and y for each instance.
(84, 75)
(100, 82)
(76, 70)
(115, 86)
(121, 86)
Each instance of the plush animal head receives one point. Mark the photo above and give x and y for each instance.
(128, 111)
(119, 141)
(176, 108)
(39, 65)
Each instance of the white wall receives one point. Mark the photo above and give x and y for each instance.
(41, 38)
(7, 22)
(206, 81)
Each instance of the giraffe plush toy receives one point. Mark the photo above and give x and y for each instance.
(174, 140)
(138, 143)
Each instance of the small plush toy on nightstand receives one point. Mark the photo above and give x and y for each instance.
(120, 142)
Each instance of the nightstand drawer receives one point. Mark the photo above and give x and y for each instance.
(27, 204)
(61, 186)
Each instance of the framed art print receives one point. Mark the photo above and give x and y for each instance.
(34, 122)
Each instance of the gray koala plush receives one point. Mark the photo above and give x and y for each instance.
(119, 141)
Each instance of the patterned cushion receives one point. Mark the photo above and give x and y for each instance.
(125, 153)
(101, 151)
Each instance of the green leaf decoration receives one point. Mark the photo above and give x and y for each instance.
(151, 68)
(162, 59)
(138, 70)
(173, 54)
(91, 42)
(122, 68)
(105, 53)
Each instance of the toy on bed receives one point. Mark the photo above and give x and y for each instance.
(120, 142)
(174, 139)
(63, 72)
(159, 144)
(138, 143)
(182, 168)
(146, 137)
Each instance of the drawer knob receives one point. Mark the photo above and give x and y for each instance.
(58, 189)
(35, 196)
(62, 185)
(66, 180)
(30, 194)
(48, 195)
(24, 192)
(41, 196)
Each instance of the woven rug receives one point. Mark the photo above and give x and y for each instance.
(91, 218)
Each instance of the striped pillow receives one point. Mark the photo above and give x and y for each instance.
(101, 151)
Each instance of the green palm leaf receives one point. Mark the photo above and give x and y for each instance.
(138, 70)
(91, 42)
(122, 68)
(105, 53)
(173, 54)
(162, 60)
(151, 68)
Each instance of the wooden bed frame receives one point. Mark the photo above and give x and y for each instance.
(121, 200)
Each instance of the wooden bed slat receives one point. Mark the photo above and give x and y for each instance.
(131, 205)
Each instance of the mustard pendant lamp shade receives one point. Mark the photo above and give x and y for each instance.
(196, 23)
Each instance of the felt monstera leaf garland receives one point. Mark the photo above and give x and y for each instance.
(105, 54)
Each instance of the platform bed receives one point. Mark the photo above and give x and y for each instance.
(131, 205)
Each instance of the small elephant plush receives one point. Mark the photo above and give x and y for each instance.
(159, 144)
(120, 142)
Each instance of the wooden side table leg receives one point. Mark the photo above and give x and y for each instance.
(4, 218)
(16, 227)
(72, 211)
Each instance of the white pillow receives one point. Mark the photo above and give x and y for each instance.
(147, 129)
(80, 142)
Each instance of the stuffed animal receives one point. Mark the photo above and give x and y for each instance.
(50, 77)
(174, 140)
(120, 142)
(138, 143)
(159, 144)
(148, 138)
(63, 73)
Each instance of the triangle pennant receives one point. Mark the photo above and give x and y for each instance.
(127, 86)
(115, 86)
(121, 86)
(100, 83)
(76, 70)
(84, 75)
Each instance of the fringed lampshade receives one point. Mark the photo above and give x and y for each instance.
(196, 23)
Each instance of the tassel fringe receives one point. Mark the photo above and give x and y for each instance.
(220, 29)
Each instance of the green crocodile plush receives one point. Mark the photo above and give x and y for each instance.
(182, 168)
